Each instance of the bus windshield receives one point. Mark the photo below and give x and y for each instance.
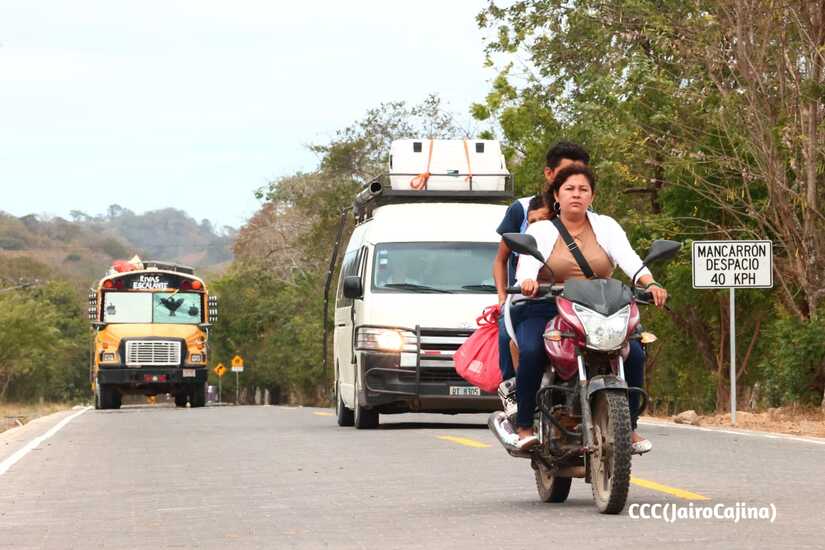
(152, 307)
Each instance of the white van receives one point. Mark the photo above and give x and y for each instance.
(414, 278)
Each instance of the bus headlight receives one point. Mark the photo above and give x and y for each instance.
(197, 358)
(107, 357)
(385, 339)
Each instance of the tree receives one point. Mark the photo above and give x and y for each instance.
(703, 119)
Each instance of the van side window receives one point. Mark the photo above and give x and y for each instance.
(363, 263)
(349, 267)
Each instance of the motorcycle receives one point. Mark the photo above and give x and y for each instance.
(582, 419)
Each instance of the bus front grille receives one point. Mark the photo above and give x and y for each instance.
(152, 352)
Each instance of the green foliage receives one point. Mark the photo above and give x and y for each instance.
(272, 297)
(679, 127)
(792, 367)
(114, 249)
(43, 344)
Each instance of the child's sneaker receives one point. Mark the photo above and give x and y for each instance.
(507, 394)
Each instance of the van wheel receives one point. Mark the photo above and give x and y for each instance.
(365, 419)
(346, 417)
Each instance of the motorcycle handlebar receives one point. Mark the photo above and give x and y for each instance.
(543, 290)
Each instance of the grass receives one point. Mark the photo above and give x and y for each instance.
(26, 412)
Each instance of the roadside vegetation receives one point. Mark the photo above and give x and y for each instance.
(704, 120)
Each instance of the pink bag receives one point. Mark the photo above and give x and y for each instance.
(476, 361)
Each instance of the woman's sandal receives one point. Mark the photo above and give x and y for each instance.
(641, 447)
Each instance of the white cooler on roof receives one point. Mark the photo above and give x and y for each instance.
(453, 165)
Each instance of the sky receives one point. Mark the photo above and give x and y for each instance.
(195, 104)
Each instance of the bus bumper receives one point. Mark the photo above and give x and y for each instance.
(149, 376)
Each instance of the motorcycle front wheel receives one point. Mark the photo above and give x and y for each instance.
(610, 459)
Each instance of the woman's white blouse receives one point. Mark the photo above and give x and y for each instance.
(609, 234)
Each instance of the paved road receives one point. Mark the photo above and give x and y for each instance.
(278, 477)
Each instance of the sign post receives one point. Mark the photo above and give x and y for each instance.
(237, 368)
(220, 370)
(732, 265)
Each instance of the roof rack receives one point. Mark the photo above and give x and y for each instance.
(379, 192)
(168, 266)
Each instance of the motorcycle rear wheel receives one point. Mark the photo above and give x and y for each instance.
(610, 460)
(550, 488)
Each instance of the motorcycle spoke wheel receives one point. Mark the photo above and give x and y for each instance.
(610, 459)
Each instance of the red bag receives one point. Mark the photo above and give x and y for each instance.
(476, 361)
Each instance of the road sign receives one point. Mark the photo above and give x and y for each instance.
(237, 364)
(220, 370)
(732, 264)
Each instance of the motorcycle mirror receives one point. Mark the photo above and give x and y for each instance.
(523, 244)
(661, 249)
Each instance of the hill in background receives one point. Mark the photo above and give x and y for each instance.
(83, 247)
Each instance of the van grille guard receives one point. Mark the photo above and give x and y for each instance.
(422, 334)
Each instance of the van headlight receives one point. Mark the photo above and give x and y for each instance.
(603, 333)
(385, 339)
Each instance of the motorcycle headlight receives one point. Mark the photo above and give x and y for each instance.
(603, 333)
(385, 339)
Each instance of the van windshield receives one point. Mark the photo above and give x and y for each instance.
(434, 267)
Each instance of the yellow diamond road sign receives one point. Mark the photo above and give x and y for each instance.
(220, 370)
(237, 364)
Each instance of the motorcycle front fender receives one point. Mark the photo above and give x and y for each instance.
(602, 383)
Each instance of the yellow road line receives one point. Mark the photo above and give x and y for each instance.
(322, 414)
(652, 485)
(464, 441)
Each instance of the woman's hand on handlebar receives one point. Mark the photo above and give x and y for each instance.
(529, 287)
(659, 295)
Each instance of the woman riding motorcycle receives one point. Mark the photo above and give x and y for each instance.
(604, 244)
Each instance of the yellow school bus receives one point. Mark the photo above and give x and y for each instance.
(150, 328)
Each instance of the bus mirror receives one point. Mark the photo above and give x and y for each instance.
(213, 309)
(352, 287)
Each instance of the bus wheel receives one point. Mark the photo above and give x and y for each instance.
(180, 399)
(198, 396)
(108, 397)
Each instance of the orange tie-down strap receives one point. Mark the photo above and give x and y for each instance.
(419, 182)
(469, 177)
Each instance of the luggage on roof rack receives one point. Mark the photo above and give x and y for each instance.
(440, 170)
(447, 165)
(168, 266)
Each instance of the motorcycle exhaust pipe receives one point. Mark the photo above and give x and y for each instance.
(500, 425)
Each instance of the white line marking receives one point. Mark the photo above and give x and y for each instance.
(34, 443)
(766, 435)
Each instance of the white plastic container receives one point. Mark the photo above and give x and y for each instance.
(451, 164)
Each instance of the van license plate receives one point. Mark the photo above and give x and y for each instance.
(188, 373)
(464, 390)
